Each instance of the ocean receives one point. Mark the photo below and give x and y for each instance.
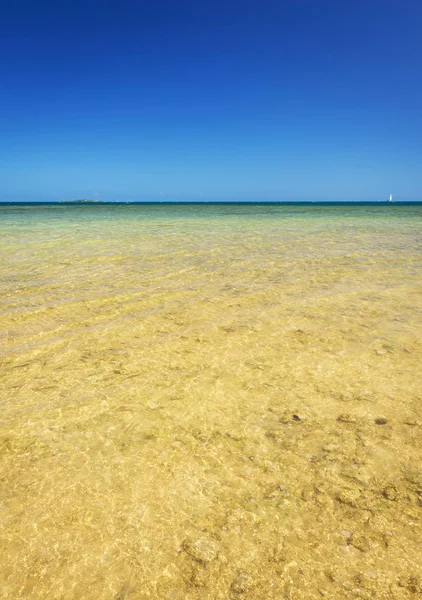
(210, 401)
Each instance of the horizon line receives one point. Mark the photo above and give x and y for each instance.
(205, 202)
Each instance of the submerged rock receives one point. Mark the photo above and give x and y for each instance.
(390, 492)
(288, 417)
(349, 497)
(204, 549)
(346, 418)
(413, 422)
(413, 584)
(242, 583)
(199, 577)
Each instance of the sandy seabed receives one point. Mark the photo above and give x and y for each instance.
(210, 405)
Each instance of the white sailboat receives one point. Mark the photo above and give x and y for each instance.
(391, 197)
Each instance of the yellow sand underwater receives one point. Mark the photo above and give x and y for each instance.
(210, 403)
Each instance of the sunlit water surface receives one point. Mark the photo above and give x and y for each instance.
(210, 402)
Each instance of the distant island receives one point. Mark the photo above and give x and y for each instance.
(82, 201)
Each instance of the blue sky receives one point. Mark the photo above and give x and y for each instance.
(189, 100)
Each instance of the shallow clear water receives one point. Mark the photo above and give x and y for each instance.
(208, 402)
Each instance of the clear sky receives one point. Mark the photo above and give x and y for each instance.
(211, 100)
